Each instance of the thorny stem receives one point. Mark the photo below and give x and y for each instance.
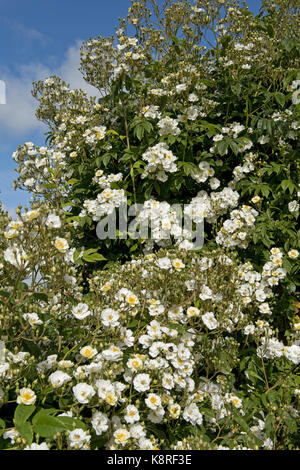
(182, 303)
(283, 379)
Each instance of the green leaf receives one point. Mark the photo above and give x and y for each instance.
(237, 417)
(134, 247)
(171, 139)
(280, 98)
(253, 374)
(291, 424)
(22, 413)
(77, 253)
(138, 164)
(265, 190)
(188, 167)
(269, 426)
(264, 400)
(212, 128)
(157, 187)
(133, 323)
(148, 126)
(47, 426)
(90, 251)
(97, 257)
(43, 412)
(25, 429)
(208, 412)
(288, 184)
(234, 147)
(112, 132)
(90, 256)
(148, 191)
(222, 147)
(106, 158)
(72, 181)
(177, 184)
(274, 398)
(72, 423)
(139, 132)
(269, 127)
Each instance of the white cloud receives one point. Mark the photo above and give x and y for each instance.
(17, 116)
(2, 92)
(70, 73)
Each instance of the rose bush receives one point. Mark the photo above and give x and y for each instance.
(133, 342)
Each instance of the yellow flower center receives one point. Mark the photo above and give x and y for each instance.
(27, 395)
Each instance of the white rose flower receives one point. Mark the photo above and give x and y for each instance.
(53, 221)
(293, 253)
(192, 415)
(132, 414)
(61, 244)
(100, 422)
(11, 434)
(26, 396)
(81, 311)
(164, 263)
(121, 436)
(260, 295)
(78, 438)
(141, 382)
(113, 353)
(59, 378)
(210, 321)
(137, 431)
(83, 392)
(34, 446)
(293, 206)
(30, 215)
(293, 353)
(88, 352)
(33, 319)
(153, 401)
(16, 257)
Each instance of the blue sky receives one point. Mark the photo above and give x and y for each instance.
(37, 39)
